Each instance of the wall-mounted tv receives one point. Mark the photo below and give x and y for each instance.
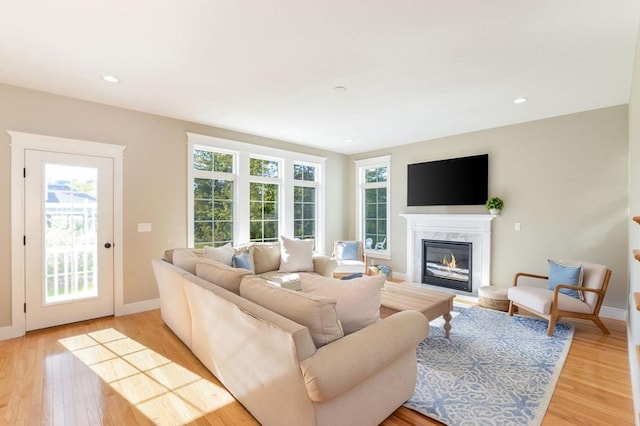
(455, 181)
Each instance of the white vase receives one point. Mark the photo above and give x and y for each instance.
(494, 211)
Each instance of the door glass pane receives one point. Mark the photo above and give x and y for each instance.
(70, 233)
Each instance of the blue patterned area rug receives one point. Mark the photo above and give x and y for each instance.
(494, 369)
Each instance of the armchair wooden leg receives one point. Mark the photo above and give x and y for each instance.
(552, 326)
(600, 324)
(511, 308)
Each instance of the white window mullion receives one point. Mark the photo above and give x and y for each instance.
(286, 200)
(241, 212)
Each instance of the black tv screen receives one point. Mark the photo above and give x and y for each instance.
(456, 181)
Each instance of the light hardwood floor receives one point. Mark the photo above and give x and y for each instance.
(69, 375)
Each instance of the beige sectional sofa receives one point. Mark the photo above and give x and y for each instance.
(298, 372)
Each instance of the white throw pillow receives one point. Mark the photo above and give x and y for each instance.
(222, 254)
(358, 299)
(296, 255)
(316, 313)
(186, 259)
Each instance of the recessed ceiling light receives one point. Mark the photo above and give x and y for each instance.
(110, 79)
(349, 140)
(520, 100)
(340, 89)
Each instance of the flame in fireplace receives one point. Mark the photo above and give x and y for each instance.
(449, 263)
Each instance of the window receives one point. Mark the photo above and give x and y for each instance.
(264, 190)
(304, 201)
(241, 192)
(213, 198)
(372, 210)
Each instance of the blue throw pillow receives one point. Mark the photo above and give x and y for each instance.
(560, 273)
(349, 250)
(243, 260)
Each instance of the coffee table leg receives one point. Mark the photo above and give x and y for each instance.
(447, 324)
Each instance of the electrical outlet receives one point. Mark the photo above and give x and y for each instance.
(516, 226)
(144, 227)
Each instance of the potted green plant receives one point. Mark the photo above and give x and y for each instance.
(494, 204)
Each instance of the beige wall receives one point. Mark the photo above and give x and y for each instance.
(154, 176)
(634, 229)
(564, 179)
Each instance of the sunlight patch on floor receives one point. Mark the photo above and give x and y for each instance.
(165, 392)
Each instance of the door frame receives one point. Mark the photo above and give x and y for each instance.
(20, 142)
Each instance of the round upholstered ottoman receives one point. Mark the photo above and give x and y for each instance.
(492, 297)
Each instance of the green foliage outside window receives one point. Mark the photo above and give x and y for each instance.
(375, 214)
(212, 161)
(304, 212)
(263, 211)
(375, 174)
(213, 212)
(264, 168)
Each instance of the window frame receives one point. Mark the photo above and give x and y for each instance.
(361, 166)
(242, 153)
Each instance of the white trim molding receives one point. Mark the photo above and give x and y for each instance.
(20, 142)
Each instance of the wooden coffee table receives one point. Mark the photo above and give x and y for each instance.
(403, 297)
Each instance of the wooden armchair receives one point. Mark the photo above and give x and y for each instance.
(553, 304)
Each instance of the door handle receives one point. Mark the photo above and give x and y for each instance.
(107, 245)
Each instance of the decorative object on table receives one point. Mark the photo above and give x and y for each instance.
(380, 269)
(495, 205)
(483, 376)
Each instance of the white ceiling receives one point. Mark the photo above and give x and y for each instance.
(413, 70)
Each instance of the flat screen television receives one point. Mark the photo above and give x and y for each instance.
(455, 181)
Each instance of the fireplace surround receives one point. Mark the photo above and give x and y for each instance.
(470, 228)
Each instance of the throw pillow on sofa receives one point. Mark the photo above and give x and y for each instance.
(266, 257)
(223, 254)
(316, 313)
(358, 299)
(243, 259)
(221, 275)
(186, 259)
(296, 255)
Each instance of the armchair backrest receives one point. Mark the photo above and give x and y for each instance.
(348, 250)
(594, 276)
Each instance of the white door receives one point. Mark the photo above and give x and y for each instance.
(68, 238)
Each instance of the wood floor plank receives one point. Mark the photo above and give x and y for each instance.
(40, 377)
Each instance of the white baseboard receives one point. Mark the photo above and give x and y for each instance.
(613, 313)
(10, 331)
(134, 308)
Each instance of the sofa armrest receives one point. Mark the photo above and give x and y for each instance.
(324, 265)
(343, 364)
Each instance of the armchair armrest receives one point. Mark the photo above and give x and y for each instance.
(526, 274)
(557, 288)
(324, 265)
(340, 365)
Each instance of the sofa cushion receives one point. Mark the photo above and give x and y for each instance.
(358, 300)
(266, 257)
(296, 255)
(317, 313)
(186, 259)
(221, 275)
(223, 254)
(290, 280)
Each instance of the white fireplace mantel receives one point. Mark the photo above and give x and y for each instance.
(473, 228)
